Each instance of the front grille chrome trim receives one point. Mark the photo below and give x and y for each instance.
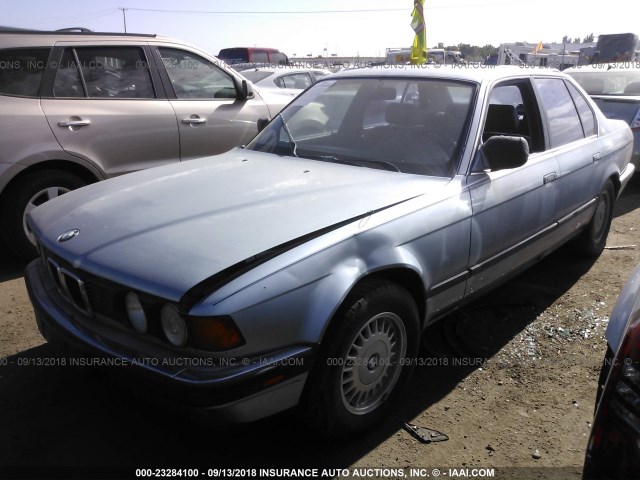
(62, 278)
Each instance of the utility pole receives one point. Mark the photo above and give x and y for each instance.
(124, 18)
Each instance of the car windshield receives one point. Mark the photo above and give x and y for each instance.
(612, 82)
(403, 125)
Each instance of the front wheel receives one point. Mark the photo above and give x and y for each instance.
(25, 195)
(592, 240)
(363, 361)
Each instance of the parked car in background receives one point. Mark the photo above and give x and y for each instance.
(241, 58)
(302, 269)
(291, 80)
(78, 107)
(616, 90)
(614, 445)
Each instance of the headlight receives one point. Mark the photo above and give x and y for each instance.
(135, 312)
(173, 325)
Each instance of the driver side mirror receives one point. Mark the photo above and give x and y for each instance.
(247, 90)
(504, 152)
(262, 123)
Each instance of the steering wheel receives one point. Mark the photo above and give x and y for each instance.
(444, 142)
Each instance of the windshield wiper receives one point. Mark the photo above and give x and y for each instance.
(292, 143)
(330, 158)
(356, 163)
(392, 166)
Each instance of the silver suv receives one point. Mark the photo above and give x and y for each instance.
(79, 107)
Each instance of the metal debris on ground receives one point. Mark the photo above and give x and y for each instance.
(425, 435)
(620, 247)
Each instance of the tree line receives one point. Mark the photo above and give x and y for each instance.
(473, 53)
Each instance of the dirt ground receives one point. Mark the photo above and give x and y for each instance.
(526, 410)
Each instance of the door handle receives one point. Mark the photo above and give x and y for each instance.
(596, 156)
(194, 120)
(549, 177)
(74, 123)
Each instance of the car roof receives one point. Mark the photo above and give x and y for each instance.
(42, 37)
(45, 39)
(475, 73)
(286, 69)
(252, 49)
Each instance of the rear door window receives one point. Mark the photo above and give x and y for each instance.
(21, 71)
(98, 72)
(68, 82)
(563, 121)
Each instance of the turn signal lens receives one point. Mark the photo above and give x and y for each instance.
(215, 333)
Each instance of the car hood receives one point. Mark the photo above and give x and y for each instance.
(274, 98)
(166, 229)
(274, 92)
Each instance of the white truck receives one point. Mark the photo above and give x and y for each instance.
(402, 56)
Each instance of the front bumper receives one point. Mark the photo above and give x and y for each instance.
(231, 389)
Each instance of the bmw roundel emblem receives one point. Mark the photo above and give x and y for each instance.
(66, 236)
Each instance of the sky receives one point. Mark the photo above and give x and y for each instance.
(324, 27)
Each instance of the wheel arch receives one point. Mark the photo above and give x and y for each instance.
(325, 399)
(615, 179)
(402, 275)
(14, 237)
(67, 166)
(406, 278)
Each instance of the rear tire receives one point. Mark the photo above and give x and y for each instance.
(592, 240)
(22, 197)
(362, 366)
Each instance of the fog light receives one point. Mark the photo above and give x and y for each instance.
(173, 325)
(135, 312)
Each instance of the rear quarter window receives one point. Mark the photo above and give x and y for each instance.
(295, 80)
(21, 71)
(584, 111)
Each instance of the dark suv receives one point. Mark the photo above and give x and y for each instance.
(241, 58)
(79, 107)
